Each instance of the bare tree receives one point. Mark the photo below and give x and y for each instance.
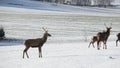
(84, 2)
(103, 3)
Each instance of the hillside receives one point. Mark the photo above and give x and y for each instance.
(28, 4)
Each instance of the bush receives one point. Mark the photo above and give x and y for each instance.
(2, 33)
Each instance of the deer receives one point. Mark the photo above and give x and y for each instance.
(118, 39)
(36, 43)
(103, 37)
(93, 40)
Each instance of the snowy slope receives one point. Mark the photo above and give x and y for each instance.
(68, 55)
(117, 2)
(57, 7)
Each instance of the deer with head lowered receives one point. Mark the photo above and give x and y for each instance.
(118, 39)
(36, 43)
(93, 40)
(103, 37)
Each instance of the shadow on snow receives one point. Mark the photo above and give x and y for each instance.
(11, 42)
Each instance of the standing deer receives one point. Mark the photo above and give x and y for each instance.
(93, 40)
(36, 43)
(118, 38)
(103, 37)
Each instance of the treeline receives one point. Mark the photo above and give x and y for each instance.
(100, 3)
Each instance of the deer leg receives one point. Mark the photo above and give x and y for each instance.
(105, 45)
(23, 54)
(89, 44)
(116, 42)
(27, 54)
(98, 45)
(40, 52)
(25, 51)
(93, 44)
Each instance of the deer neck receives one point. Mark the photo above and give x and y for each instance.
(108, 32)
(44, 38)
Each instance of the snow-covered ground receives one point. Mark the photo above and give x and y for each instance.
(64, 55)
(69, 26)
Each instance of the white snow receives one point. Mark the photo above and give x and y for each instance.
(58, 7)
(66, 55)
(69, 26)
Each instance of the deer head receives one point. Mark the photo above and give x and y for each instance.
(108, 28)
(46, 32)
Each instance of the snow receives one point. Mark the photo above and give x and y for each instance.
(71, 28)
(66, 55)
(117, 2)
(58, 7)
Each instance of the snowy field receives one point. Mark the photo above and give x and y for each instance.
(64, 55)
(71, 28)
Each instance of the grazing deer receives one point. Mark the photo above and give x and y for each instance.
(118, 38)
(36, 43)
(103, 37)
(93, 40)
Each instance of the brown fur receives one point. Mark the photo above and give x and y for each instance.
(118, 38)
(35, 43)
(103, 37)
(93, 40)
